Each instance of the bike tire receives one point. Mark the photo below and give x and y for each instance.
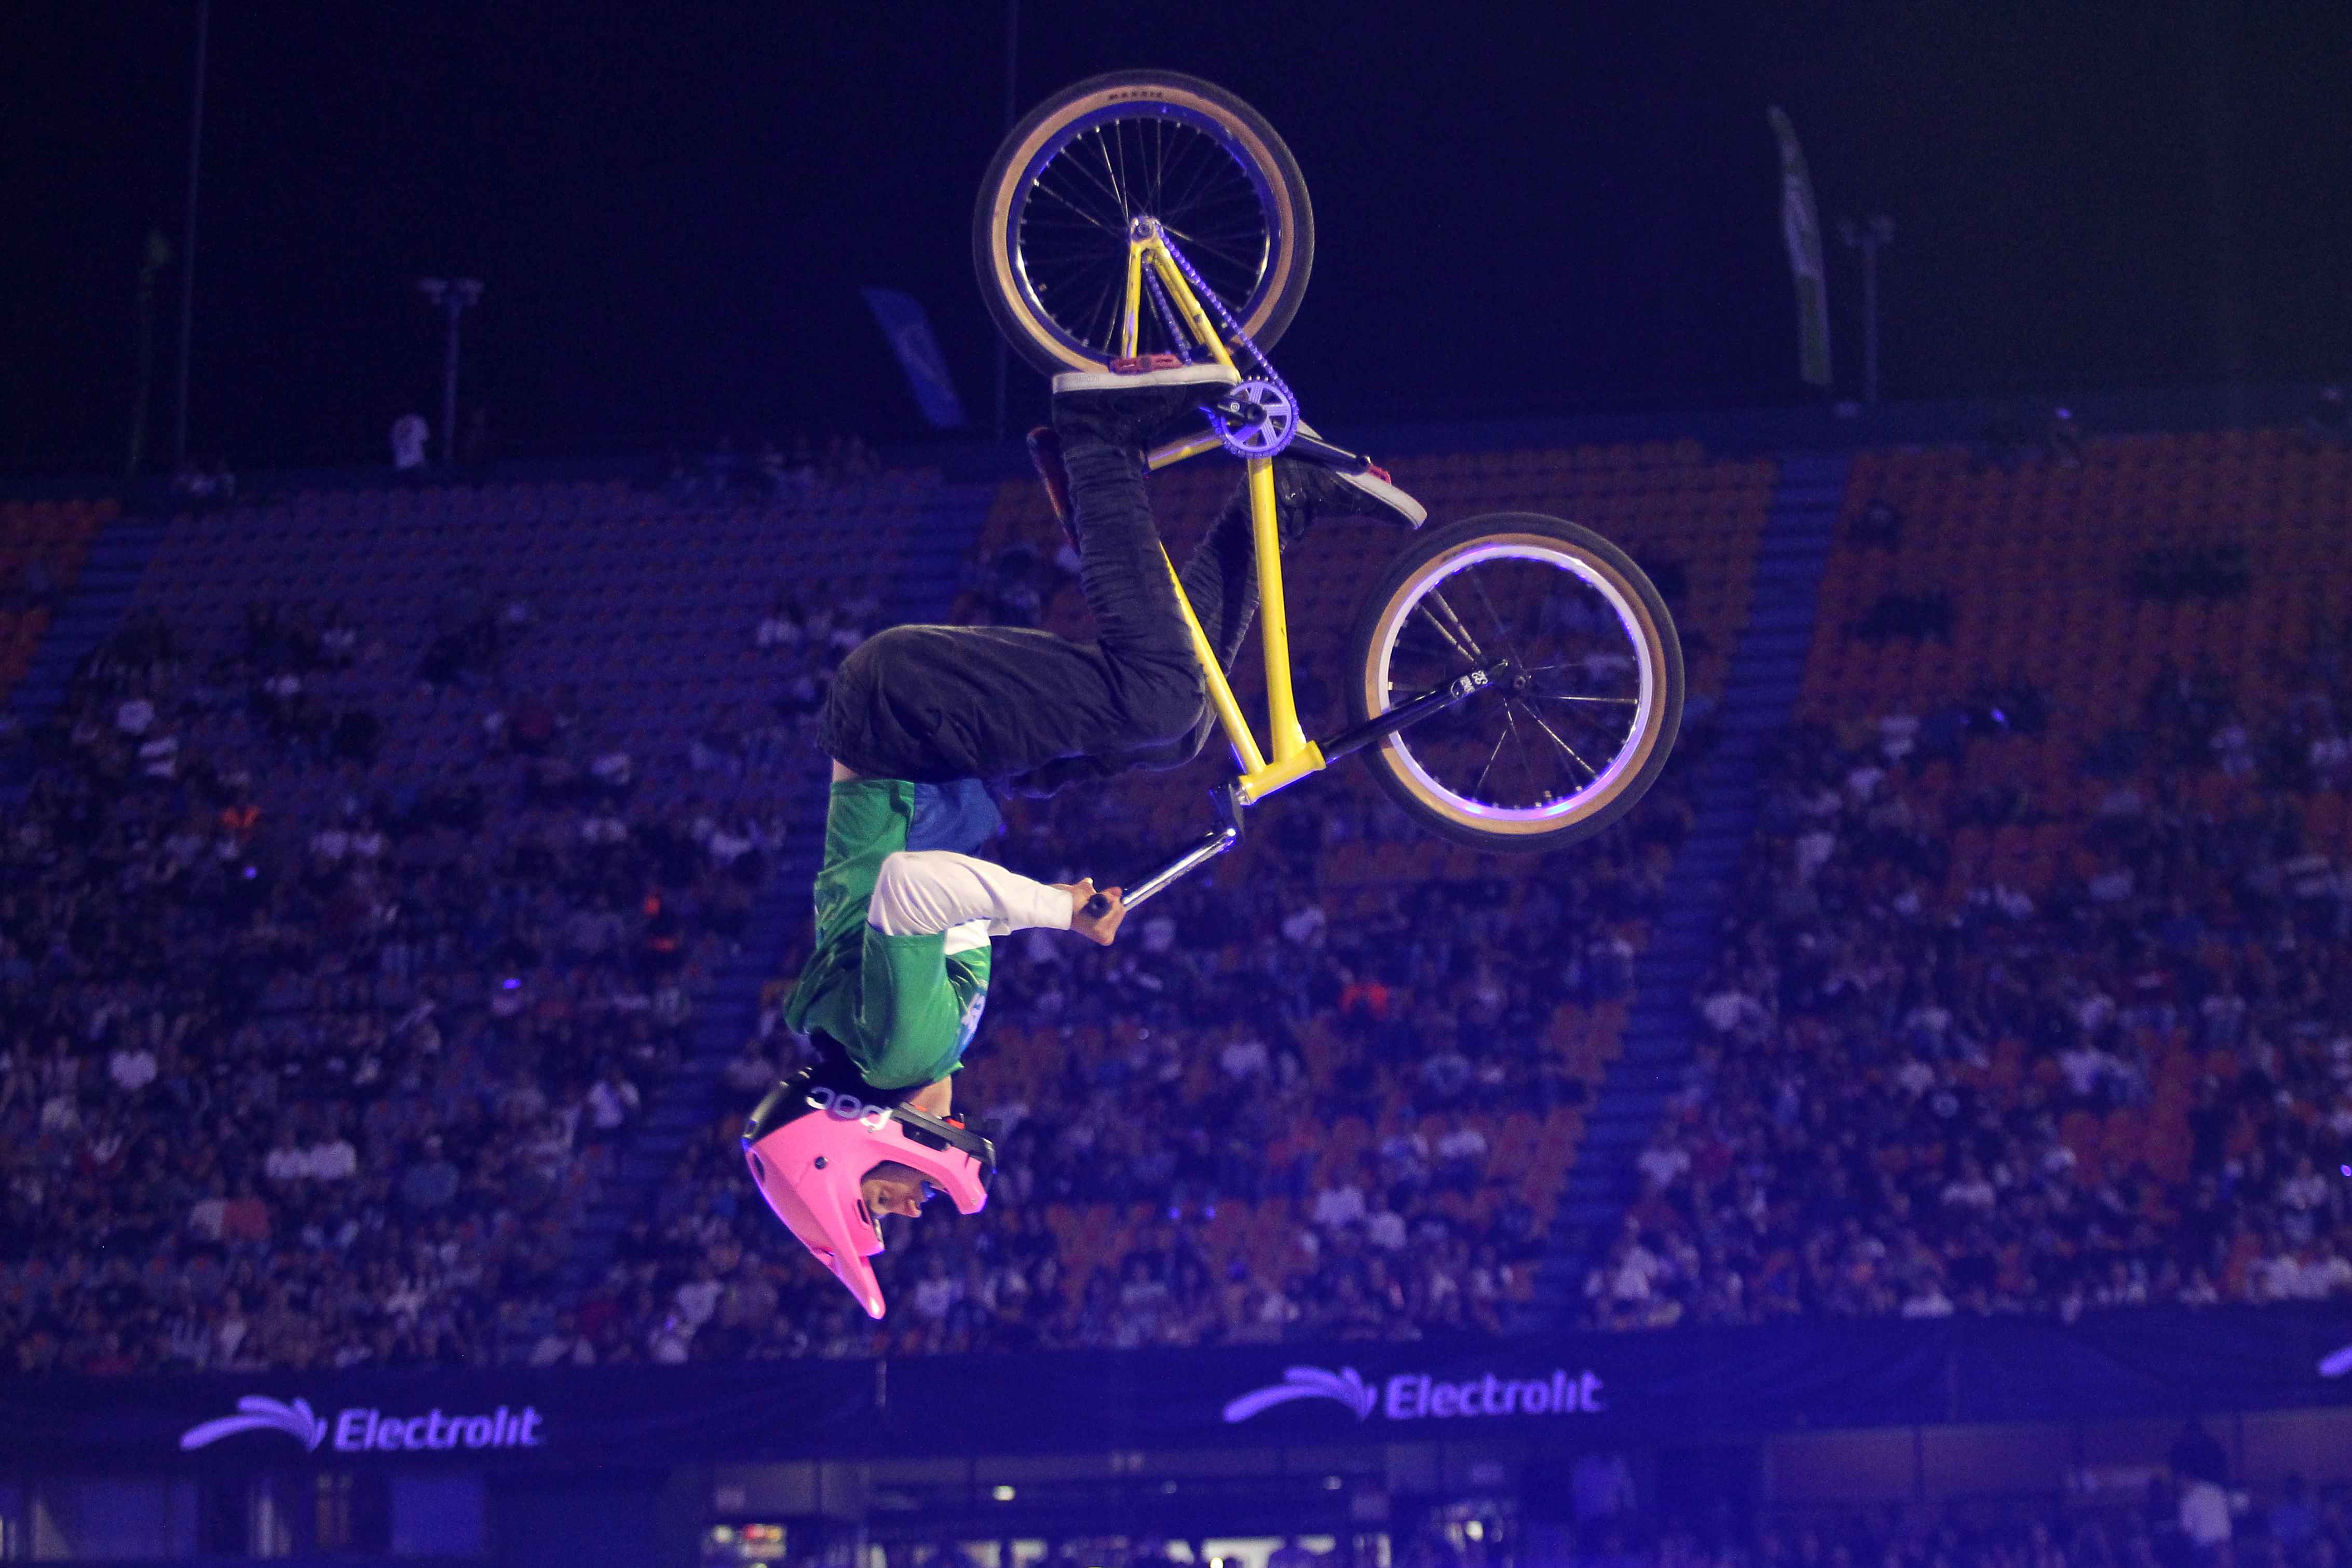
(1598, 581)
(1039, 277)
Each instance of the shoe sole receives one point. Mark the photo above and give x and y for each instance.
(1412, 511)
(1206, 375)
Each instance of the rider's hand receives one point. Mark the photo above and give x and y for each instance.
(1097, 929)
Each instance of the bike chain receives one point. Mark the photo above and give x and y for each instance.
(1242, 344)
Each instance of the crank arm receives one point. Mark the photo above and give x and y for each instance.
(1304, 447)
(1234, 412)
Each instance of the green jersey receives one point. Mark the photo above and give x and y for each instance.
(906, 1006)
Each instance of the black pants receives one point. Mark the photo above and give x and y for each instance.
(1037, 711)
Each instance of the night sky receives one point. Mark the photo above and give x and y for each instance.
(1540, 210)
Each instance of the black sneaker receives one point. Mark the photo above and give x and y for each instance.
(1317, 487)
(1135, 399)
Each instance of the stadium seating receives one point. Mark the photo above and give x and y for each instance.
(445, 802)
(2062, 852)
(1357, 1108)
(42, 547)
(2081, 720)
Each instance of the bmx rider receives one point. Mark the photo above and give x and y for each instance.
(921, 719)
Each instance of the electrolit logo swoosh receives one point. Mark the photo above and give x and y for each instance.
(295, 1419)
(2337, 1364)
(1345, 1386)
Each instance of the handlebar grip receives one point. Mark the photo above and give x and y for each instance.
(1098, 906)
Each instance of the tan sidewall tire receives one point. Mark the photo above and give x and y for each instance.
(1433, 557)
(991, 254)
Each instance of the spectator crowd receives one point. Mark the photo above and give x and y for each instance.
(1925, 1088)
(1137, 1093)
(310, 1058)
(315, 1059)
(305, 1061)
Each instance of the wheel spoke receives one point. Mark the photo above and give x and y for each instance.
(1116, 144)
(1467, 650)
(1502, 627)
(1467, 642)
(1195, 245)
(1033, 217)
(1538, 720)
(1077, 166)
(1202, 171)
(1481, 782)
(1158, 164)
(1073, 178)
(1511, 729)
(1558, 664)
(1080, 204)
(1105, 309)
(1244, 231)
(1578, 701)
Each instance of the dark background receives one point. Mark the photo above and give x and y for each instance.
(1540, 210)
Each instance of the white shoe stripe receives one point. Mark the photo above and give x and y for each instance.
(1389, 495)
(1113, 381)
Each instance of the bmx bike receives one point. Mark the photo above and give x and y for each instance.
(1514, 681)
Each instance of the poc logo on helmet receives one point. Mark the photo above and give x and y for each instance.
(850, 1108)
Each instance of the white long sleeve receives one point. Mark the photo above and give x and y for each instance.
(918, 891)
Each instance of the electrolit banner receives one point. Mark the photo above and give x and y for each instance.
(364, 1428)
(1421, 1395)
(1620, 1387)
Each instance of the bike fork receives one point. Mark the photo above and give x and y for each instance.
(1414, 709)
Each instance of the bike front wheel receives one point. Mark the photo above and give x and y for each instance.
(1049, 234)
(1578, 726)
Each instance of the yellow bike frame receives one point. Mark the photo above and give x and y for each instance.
(1293, 755)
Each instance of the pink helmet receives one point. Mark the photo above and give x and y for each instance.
(810, 1146)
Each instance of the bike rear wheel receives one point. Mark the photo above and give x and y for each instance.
(1580, 727)
(1049, 234)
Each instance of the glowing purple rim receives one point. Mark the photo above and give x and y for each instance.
(1079, 127)
(1556, 556)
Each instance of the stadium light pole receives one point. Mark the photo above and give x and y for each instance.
(188, 237)
(1867, 236)
(159, 256)
(453, 295)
